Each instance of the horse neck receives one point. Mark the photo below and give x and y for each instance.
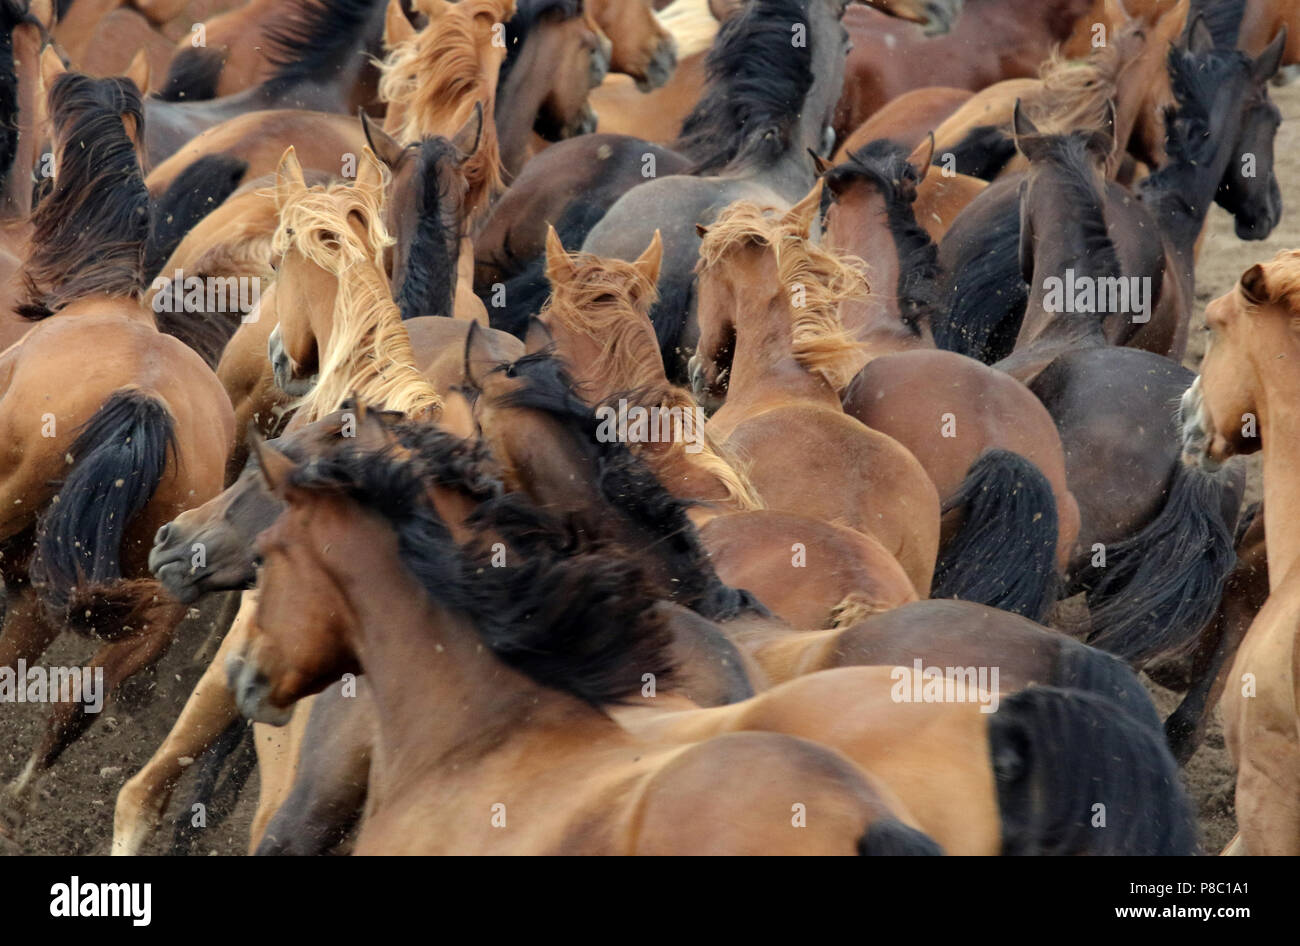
(877, 319)
(764, 364)
(1279, 428)
(516, 108)
(439, 691)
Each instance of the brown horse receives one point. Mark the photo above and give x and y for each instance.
(782, 366)
(1241, 404)
(103, 455)
(273, 674)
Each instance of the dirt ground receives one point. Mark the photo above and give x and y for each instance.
(74, 811)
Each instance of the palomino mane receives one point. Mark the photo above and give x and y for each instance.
(885, 164)
(583, 623)
(1282, 278)
(90, 232)
(630, 353)
(757, 82)
(1078, 94)
(819, 341)
(370, 353)
(627, 484)
(437, 75)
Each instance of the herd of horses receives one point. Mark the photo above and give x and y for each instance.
(820, 245)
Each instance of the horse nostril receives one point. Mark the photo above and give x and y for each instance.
(160, 537)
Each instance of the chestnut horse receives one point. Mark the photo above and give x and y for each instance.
(1241, 403)
(104, 452)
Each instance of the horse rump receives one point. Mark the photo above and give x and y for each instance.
(1078, 775)
(117, 462)
(1004, 555)
(1161, 585)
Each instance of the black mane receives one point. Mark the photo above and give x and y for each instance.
(1222, 17)
(319, 40)
(755, 90)
(627, 485)
(1069, 155)
(884, 163)
(429, 284)
(11, 14)
(583, 623)
(89, 234)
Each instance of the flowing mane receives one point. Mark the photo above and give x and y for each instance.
(90, 233)
(317, 39)
(598, 302)
(757, 82)
(1083, 186)
(432, 80)
(583, 623)
(819, 341)
(369, 352)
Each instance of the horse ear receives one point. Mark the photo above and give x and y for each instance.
(138, 71)
(701, 230)
(1270, 60)
(559, 267)
(467, 140)
(649, 262)
(288, 177)
(537, 337)
(1116, 14)
(1199, 38)
(432, 8)
(478, 356)
(397, 28)
(802, 214)
(370, 175)
(922, 157)
(1025, 132)
(1254, 285)
(275, 466)
(385, 146)
(51, 67)
(820, 163)
(43, 12)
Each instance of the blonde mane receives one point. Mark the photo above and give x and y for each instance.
(629, 358)
(432, 80)
(1282, 278)
(824, 279)
(692, 25)
(369, 351)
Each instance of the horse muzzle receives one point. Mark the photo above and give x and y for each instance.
(661, 66)
(251, 689)
(941, 16)
(283, 368)
(1192, 428)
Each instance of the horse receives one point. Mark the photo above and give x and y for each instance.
(1238, 405)
(324, 499)
(120, 448)
(748, 143)
(782, 365)
(870, 214)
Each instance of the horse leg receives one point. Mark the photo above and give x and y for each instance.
(278, 750)
(26, 633)
(333, 773)
(209, 710)
(231, 604)
(118, 661)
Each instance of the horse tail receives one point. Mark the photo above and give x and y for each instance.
(197, 191)
(1077, 774)
(982, 153)
(193, 75)
(889, 837)
(1162, 584)
(117, 462)
(1005, 553)
(1080, 667)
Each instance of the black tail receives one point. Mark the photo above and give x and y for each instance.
(1160, 586)
(1078, 775)
(117, 462)
(235, 753)
(193, 75)
(197, 191)
(889, 837)
(983, 153)
(1005, 554)
(1080, 667)
(982, 297)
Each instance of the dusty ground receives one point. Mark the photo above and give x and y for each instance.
(74, 813)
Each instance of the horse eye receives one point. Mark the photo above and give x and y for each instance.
(510, 371)
(258, 561)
